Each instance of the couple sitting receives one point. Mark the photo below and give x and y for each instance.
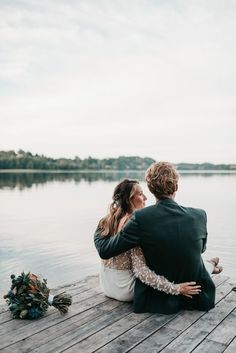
(153, 255)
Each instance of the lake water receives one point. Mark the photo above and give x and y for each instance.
(48, 220)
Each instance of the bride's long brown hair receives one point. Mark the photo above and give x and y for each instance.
(120, 206)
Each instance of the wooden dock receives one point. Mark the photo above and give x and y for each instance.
(98, 324)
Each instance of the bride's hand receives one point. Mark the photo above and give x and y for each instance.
(188, 289)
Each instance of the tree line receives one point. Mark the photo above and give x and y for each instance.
(26, 160)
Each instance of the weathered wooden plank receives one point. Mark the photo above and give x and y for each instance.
(131, 337)
(104, 335)
(3, 308)
(155, 342)
(187, 318)
(219, 279)
(175, 327)
(49, 320)
(79, 333)
(87, 282)
(212, 346)
(56, 331)
(218, 340)
(221, 289)
(5, 316)
(196, 333)
(232, 347)
(79, 297)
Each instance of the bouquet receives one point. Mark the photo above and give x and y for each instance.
(29, 297)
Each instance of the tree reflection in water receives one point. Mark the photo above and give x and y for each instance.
(22, 180)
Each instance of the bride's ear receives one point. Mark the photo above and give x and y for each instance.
(176, 187)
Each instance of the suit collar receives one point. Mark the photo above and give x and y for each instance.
(166, 200)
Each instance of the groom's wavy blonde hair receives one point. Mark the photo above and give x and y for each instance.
(162, 179)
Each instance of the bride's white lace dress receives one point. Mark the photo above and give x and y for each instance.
(118, 274)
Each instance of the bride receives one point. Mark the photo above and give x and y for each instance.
(118, 274)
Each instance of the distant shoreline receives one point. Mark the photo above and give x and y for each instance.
(21, 160)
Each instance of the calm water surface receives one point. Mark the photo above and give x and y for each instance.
(48, 220)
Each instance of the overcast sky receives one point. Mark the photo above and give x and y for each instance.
(116, 77)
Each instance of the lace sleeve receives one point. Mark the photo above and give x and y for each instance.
(149, 277)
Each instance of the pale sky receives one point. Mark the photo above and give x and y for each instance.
(119, 77)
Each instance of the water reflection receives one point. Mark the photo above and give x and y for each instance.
(28, 179)
(21, 180)
(49, 230)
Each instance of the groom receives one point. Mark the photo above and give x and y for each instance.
(172, 238)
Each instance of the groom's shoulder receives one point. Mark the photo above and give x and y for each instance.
(145, 211)
(198, 212)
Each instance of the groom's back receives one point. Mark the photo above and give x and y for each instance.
(172, 239)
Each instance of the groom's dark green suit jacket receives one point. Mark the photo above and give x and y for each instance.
(172, 238)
